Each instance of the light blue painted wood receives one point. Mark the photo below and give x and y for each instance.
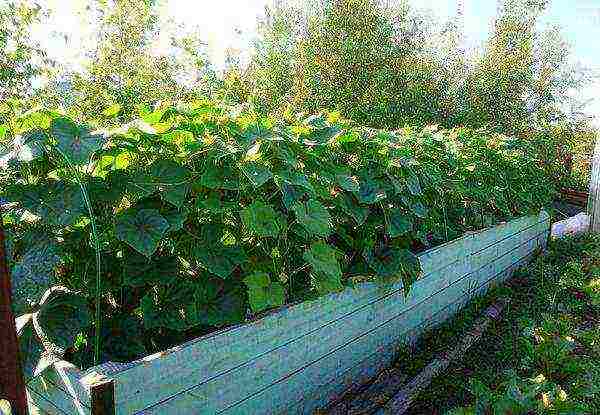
(59, 391)
(298, 358)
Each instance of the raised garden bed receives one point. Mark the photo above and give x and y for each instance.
(301, 357)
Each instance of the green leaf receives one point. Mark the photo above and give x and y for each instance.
(325, 266)
(61, 317)
(139, 271)
(369, 193)
(348, 182)
(213, 202)
(170, 180)
(175, 218)
(263, 293)
(322, 135)
(419, 210)
(414, 187)
(229, 307)
(290, 195)
(258, 174)
(114, 349)
(111, 111)
(261, 219)
(314, 217)
(398, 223)
(295, 178)
(141, 229)
(219, 259)
(353, 209)
(217, 177)
(393, 263)
(78, 144)
(33, 274)
(187, 304)
(56, 203)
(171, 306)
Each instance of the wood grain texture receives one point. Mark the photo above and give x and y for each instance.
(301, 357)
(59, 391)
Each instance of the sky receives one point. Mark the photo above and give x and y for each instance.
(220, 21)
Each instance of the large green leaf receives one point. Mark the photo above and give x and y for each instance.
(61, 317)
(257, 174)
(261, 219)
(348, 182)
(214, 203)
(139, 270)
(33, 274)
(219, 259)
(419, 209)
(369, 192)
(393, 263)
(114, 349)
(139, 186)
(228, 308)
(76, 143)
(264, 293)
(56, 203)
(142, 229)
(398, 223)
(314, 217)
(291, 194)
(192, 303)
(325, 267)
(172, 307)
(175, 218)
(414, 187)
(295, 178)
(322, 135)
(217, 177)
(170, 180)
(353, 209)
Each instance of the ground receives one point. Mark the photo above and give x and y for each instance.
(542, 357)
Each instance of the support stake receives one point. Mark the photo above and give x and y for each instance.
(103, 398)
(12, 385)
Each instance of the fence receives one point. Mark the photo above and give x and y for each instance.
(302, 356)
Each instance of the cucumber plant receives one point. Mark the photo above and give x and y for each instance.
(196, 216)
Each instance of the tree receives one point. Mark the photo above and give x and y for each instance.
(123, 68)
(363, 58)
(21, 59)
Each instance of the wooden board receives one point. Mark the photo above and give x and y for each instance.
(302, 356)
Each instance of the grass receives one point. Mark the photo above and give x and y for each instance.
(542, 357)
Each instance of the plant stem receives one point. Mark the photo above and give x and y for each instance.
(88, 205)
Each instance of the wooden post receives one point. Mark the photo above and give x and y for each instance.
(103, 398)
(593, 208)
(12, 385)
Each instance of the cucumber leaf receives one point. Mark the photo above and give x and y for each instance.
(262, 220)
(314, 217)
(141, 229)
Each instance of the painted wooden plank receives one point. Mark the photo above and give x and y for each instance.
(248, 344)
(280, 363)
(325, 364)
(61, 389)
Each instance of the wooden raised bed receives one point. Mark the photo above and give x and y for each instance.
(575, 197)
(302, 356)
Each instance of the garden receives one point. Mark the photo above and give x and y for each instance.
(202, 239)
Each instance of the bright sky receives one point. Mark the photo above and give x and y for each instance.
(218, 20)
